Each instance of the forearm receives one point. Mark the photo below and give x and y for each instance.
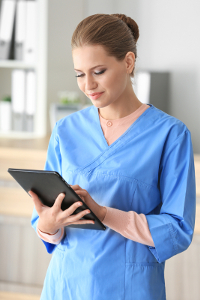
(129, 224)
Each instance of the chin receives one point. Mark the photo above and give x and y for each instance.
(99, 104)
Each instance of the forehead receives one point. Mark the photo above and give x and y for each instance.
(87, 57)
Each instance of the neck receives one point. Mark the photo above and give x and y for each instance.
(122, 107)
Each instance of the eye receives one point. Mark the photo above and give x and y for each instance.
(99, 73)
(80, 75)
(96, 73)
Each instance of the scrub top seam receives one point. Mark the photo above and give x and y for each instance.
(125, 272)
(173, 235)
(186, 131)
(131, 205)
(123, 177)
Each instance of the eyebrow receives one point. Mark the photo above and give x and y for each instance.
(91, 68)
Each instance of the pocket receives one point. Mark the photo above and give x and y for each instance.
(145, 281)
(146, 198)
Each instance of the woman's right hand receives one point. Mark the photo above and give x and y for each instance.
(53, 218)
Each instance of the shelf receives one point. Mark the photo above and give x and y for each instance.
(17, 296)
(19, 135)
(12, 64)
(19, 158)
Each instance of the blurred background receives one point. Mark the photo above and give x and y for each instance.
(38, 86)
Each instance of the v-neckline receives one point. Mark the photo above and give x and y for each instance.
(121, 136)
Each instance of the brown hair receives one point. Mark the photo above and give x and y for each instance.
(117, 33)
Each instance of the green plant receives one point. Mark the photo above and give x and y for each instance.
(67, 97)
(6, 99)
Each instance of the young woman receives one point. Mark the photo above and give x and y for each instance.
(131, 163)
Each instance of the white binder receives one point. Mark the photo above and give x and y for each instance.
(18, 99)
(142, 86)
(20, 30)
(7, 15)
(31, 30)
(30, 106)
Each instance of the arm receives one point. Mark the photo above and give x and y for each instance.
(172, 230)
(131, 225)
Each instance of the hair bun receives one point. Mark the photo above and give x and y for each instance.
(130, 23)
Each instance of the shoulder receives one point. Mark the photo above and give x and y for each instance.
(74, 121)
(167, 124)
(78, 115)
(171, 134)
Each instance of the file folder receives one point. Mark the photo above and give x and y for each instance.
(31, 31)
(18, 99)
(7, 15)
(20, 30)
(30, 98)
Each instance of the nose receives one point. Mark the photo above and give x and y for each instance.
(90, 83)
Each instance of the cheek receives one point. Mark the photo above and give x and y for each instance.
(117, 82)
(80, 85)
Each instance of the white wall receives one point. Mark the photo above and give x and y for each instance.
(169, 41)
(63, 17)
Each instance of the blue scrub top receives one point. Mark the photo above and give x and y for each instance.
(149, 169)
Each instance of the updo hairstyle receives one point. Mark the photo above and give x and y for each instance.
(117, 33)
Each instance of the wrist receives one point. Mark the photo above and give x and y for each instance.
(48, 232)
(103, 213)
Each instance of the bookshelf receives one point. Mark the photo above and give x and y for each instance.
(40, 69)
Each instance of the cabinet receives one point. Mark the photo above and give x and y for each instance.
(40, 68)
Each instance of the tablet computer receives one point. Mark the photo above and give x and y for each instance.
(48, 185)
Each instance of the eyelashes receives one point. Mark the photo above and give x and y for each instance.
(98, 73)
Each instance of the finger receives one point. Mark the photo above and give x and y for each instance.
(75, 187)
(69, 211)
(81, 197)
(77, 217)
(38, 204)
(58, 202)
(81, 192)
(80, 222)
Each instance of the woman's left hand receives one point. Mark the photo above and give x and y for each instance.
(97, 209)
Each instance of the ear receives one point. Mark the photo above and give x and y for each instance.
(130, 61)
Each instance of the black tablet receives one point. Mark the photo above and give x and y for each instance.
(48, 185)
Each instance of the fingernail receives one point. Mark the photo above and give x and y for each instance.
(80, 203)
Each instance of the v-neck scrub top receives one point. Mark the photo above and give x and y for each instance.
(149, 169)
(130, 224)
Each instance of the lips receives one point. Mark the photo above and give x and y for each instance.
(95, 96)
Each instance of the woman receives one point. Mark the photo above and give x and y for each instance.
(133, 166)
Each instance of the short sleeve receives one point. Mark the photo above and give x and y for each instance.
(53, 163)
(172, 229)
